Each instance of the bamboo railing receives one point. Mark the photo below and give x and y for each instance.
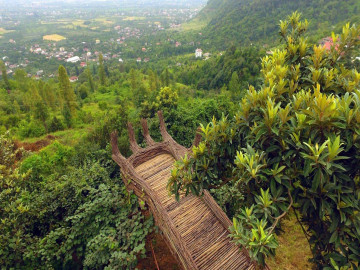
(195, 228)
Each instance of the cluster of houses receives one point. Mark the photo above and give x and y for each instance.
(12, 67)
(199, 54)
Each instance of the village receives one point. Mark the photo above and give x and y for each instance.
(130, 39)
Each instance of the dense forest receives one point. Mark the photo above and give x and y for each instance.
(280, 140)
(244, 22)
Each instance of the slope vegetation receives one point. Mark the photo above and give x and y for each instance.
(248, 21)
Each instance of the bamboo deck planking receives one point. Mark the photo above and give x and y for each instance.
(195, 228)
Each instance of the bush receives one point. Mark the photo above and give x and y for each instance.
(62, 211)
(31, 129)
(294, 144)
(56, 124)
(103, 105)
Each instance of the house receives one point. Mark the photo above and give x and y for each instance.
(97, 41)
(138, 60)
(83, 64)
(143, 49)
(146, 60)
(120, 60)
(73, 59)
(73, 79)
(198, 53)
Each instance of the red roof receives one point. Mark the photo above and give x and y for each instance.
(328, 43)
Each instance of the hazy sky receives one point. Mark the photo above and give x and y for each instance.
(19, 4)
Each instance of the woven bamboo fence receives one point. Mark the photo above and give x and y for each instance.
(195, 228)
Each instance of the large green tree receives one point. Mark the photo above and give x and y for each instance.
(4, 75)
(102, 74)
(234, 85)
(294, 144)
(66, 90)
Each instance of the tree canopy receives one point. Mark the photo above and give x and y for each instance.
(293, 145)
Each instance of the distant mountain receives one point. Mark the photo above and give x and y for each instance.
(249, 21)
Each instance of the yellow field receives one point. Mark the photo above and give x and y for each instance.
(79, 23)
(68, 24)
(104, 21)
(4, 31)
(134, 19)
(54, 37)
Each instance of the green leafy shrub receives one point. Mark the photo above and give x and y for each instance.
(49, 160)
(103, 105)
(56, 124)
(63, 211)
(294, 144)
(31, 129)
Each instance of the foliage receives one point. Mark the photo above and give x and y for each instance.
(217, 71)
(4, 75)
(247, 22)
(31, 129)
(293, 145)
(102, 75)
(55, 125)
(63, 210)
(66, 90)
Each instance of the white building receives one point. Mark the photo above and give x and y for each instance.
(198, 53)
(73, 59)
(120, 60)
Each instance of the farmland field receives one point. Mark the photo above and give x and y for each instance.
(54, 37)
(134, 19)
(4, 31)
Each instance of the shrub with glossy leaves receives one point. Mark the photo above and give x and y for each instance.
(294, 144)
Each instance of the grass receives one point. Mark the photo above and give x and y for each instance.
(4, 31)
(293, 252)
(54, 37)
(194, 25)
(67, 137)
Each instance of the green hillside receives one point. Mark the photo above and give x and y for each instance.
(248, 21)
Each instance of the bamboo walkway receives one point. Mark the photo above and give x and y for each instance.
(195, 228)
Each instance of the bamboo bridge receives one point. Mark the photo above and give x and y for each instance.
(195, 228)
